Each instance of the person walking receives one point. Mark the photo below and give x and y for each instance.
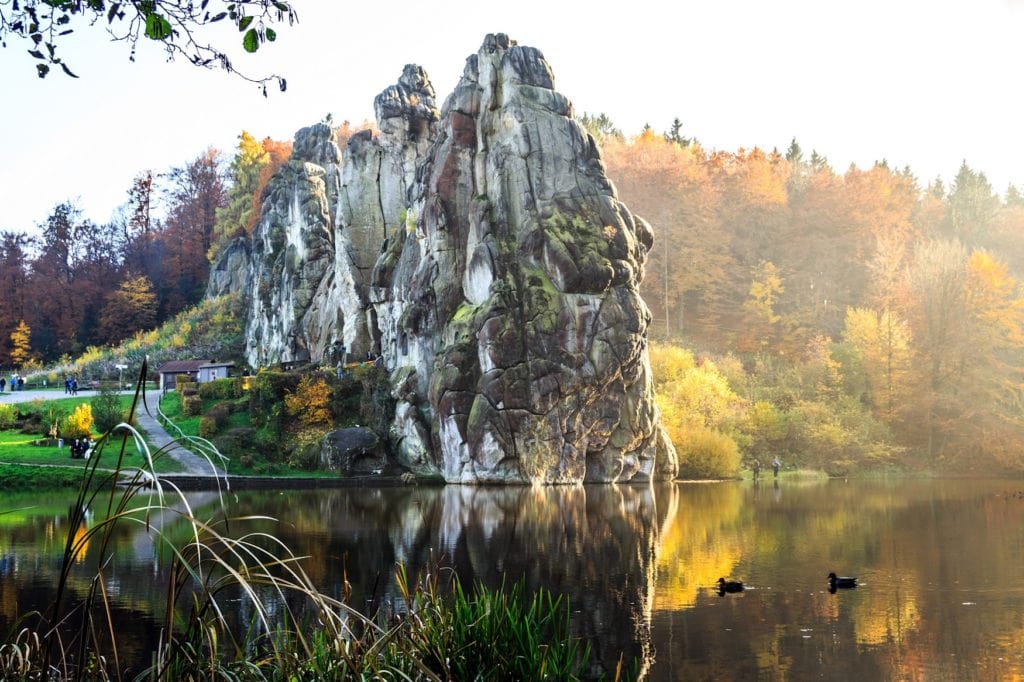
(776, 465)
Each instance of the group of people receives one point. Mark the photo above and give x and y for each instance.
(756, 467)
(81, 448)
(17, 383)
(71, 386)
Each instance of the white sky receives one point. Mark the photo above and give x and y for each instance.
(927, 83)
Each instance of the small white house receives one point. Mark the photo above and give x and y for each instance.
(170, 371)
(214, 370)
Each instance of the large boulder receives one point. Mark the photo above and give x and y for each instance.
(355, 450)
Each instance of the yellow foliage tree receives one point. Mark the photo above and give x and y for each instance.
(882, 339)
(310, 403)
(21, 346)
(696, 405)
(79, 424)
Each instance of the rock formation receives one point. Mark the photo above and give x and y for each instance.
(482, 251)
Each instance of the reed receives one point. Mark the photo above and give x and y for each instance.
(440, 632)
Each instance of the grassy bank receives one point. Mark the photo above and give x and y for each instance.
(433, 630)
(21, 477)
(34, 454)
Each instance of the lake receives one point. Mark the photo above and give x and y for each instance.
(939, 563)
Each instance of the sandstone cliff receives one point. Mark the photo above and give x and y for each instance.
(481, 250)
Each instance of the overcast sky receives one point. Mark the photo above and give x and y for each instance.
(924, 83)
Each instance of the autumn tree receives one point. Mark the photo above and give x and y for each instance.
(21, 344)
(310, 404)
(14, 278)
(233, 217)
(131, 308)
(668, 186)
(56, 312)
(278, 153)
(761, 324)
(601, 127)
(937, 312)
(972, 207)
(883, 342)
(193, 195)
(991, 383)
(137, 221)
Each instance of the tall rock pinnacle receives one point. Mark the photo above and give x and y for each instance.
(483, 252)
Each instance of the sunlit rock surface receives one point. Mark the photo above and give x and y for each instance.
(482, 251)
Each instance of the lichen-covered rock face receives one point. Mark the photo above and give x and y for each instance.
(483, 252)
(290, 317)
(232, 270)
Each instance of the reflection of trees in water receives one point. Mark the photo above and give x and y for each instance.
(634, 561)
(921, 548)
(597, 545)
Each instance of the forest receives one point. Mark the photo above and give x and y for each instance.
(841, 320)
(835, 318)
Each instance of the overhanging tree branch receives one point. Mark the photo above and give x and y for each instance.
(177, 24)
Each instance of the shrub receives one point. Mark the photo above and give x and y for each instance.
(377, 407)
(106, 409)
(79, 424)
(704, 453)
(268, 443)
(310, 403)
(191, 405)
(207, 427)
(266, 396)
(220, 413)
(221, 389)
(50, 418)
(306, 453)
(7, 416)
(236, 441)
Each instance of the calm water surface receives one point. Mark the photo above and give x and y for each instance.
(941, 595)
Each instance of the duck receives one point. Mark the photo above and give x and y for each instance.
(729, 586)
(841, 581)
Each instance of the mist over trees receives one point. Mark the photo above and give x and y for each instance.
(834, 319)
(861, 315)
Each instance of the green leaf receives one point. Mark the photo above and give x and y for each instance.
(67, 70)
(271, 35)
(113, 11)
(157, 27)
(251, 41)
(37, 54)
(244, 22)
(282, 6)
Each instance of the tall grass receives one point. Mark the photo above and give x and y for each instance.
(296, 632)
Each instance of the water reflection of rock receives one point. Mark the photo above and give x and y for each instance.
(598, 545)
